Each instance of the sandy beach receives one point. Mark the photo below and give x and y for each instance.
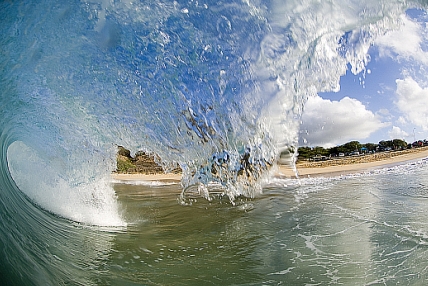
(329, 168)
(147, 177)
(346, 166)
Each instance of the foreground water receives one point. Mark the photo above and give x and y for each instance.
(363, 230)
(368, 229)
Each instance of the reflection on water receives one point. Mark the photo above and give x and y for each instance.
(368, 230)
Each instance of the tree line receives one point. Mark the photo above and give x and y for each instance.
(352, 147)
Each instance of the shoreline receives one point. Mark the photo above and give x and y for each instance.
(330, 168)
(394, 159)
(147, 177)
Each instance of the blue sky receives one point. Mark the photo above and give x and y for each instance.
(388, 100)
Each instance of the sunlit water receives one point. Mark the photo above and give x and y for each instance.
(368, 229)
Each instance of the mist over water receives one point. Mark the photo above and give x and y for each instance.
(216, 87)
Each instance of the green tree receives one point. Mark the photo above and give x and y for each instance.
(370, 146)
(320, 151)
(338, 149)
(385, 144)
(308, 152)
(399, 144)
(304, 152)
(352, 146)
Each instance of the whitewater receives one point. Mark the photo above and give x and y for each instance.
(217, 88)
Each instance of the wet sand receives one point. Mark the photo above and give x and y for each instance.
(285, 171)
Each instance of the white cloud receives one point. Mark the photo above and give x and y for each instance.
(329, 123)
(412, 101)
(405, 42)
(385, 114)
(401, 120)
(397, 133)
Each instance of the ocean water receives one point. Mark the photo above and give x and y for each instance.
(217, 88)
(361, 229)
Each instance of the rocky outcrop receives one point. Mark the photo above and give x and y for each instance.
(142, 163)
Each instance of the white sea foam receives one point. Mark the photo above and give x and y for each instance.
(321, 181)
(91, 202)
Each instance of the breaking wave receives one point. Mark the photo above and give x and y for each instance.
(217, 88)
